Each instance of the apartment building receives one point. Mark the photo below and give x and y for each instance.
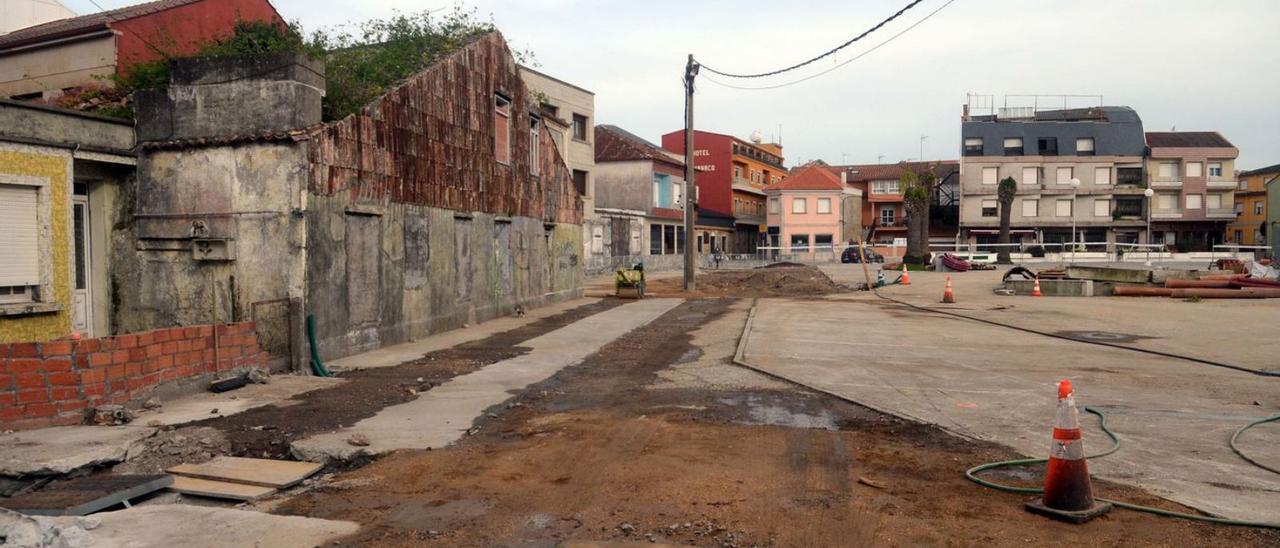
(1247, 228)
(1192, 174)
(884, 214)
(640, 199)
(1079, 168)
(812, 211)
(732, 177)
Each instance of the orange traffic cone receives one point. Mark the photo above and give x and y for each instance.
(947, 295)
(906, 280)
(1068, 492)
(1035, 292)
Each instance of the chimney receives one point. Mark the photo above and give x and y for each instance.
(964, 115)
(844, 177)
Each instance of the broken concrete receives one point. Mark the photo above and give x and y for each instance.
(201, 526)
(1053, 288)
(201, 406)
(54, 451)
(443, 414)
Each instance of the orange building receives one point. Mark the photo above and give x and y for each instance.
(755, 167)
(1251, 207)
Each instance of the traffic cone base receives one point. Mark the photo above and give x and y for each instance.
(1068, 491)
(1071, 516)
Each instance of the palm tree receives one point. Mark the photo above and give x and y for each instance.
(1005, 193)
(917, 194)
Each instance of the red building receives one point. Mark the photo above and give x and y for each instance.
(732, 177)
(78, 51)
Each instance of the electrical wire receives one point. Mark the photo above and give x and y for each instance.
(829, 53)
(837, 66)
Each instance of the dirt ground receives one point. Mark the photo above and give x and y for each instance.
(596, 454)
(782, 280)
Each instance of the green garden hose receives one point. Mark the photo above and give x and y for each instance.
(1115, 440)
(317, 366)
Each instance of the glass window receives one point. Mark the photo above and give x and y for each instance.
(774, 207)
(1102, 207)
(1031, 207)
(990, 175)
(886, 216)
(1013, 146)
(1257, 207)
(798, 205)
(1193, 169)
(535, 145)
(824, 205)
(1065, 174)
(579, 127)
(990, 208)
(501, 129)
(1084, 146)
(973, 146)
(822, 241)
(1168, 202)
(655, 239)
(1030, 175)
(1168, 170)
(1063, 208)
(1193, 201)
(1101, 175)
(1215, 169)
(800, 242)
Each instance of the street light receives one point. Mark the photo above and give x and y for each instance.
(1075, 186)
(1149, 193)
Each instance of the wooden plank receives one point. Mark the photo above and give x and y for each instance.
(263, 472)
(86, 495)
(219, 489)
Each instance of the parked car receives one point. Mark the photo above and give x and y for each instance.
(850, 255)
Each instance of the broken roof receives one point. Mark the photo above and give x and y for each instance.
(72, 26)
(614, 144)
(1187, 139)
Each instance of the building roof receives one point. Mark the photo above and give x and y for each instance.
(1187, 139)
(1261, 171)
(809, 177)
(614, 144)
(881, 172)
(1115, 130)
(73, 26)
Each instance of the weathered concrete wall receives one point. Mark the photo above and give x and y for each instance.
(625, 185)
(381, 275)
(41, 125)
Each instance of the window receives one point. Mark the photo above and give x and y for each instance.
(1167, 202)
(775, 179)
(885, 187)
(1239, 208)
(1030, 175)
(737, 172)
(990, 208)
(1062, 208)
(798, 205)
(774, 206)
(1213, 201)
(1031, 207)
(1102, 207)
(502, 129)
(668, 240)
(1065, 174)
(1013, 146)
(1131, 176)
(1257, 207)
(1084, 146)
(1239, 237)
(579, 127)
(886, 216)
(822, 241)
(1215, 169)
(580, 181)
(535, 145)
(1194, 201)
(1194, 169)
(973, 146)
(679, 248)
(1048, 146)
(1129, 207)
(1168, 170)
(19, 257)
(677, 192)
(990, 175)
(1101, 175)
(824, 205)
(800, 242)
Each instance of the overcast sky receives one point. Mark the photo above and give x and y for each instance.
(1193, 64)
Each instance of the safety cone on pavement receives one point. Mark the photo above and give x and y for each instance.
(1035, 291)
(1068, 492)
(906, 280)
(948, 296)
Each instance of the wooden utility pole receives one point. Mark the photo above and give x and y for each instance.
(690, 186)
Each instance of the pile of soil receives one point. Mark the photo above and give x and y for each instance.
(777, 280)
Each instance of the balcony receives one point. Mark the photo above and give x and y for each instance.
(891, 223)
(1220, 183)
(745, 185)
(1166, 214)
(1223, 213)
(748, 219)
(1159, 181)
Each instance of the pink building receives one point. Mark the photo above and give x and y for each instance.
(812, 211)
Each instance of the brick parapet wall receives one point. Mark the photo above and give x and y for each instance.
(55, 383)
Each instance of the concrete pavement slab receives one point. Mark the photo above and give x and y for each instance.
(209, 526)
(58, 450)
(201, 406)
(441, 415)
(996, 384)
(390, 356)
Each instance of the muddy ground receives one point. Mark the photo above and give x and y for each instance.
(597, 453)
(783, 280)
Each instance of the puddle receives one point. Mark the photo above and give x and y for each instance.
(774, 412)
(690, 356)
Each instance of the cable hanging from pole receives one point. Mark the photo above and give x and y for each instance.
(829, 53)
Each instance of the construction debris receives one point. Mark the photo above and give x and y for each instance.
(263, 472)
(111, 415)
(258, 375)
(85, 495)
(219, 489)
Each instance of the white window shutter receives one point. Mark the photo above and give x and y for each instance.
(19, 236)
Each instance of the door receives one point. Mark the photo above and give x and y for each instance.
(82, 294)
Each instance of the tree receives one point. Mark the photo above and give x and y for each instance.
(1004, 194)
(917, 192)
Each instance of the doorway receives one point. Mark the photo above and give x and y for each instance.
(82, 291)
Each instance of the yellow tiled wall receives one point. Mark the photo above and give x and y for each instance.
(56, 167)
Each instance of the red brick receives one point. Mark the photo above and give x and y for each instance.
(64, 379)
(106, 343)
(164, 361)
(29, 380)
(117, 372)
(100, 358)
(184, 346)
(56, 348)
(145, 339)
(191, 332)
(206, 330)
(169, 374)
(133, 370)
(97, 389)
(120, 356)
(6, 399)
(137, 354)
(67, 418)
(127, 341)
(4, 350)
(64, 394)
(160, 335)
(81, 361)
(86, 346)
(33, 396)
(155, 350)
(23, 350)
(94, 375)
(9, 414)
(170, 347)
(136, 383)
(53, 365)
(151, 379)
(24, 365)
(39, 410)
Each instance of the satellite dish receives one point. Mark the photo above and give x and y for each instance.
(756, 137)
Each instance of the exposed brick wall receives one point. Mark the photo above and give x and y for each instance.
(54, 383)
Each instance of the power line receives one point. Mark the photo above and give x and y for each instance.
(831, 52)
(843, 63)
